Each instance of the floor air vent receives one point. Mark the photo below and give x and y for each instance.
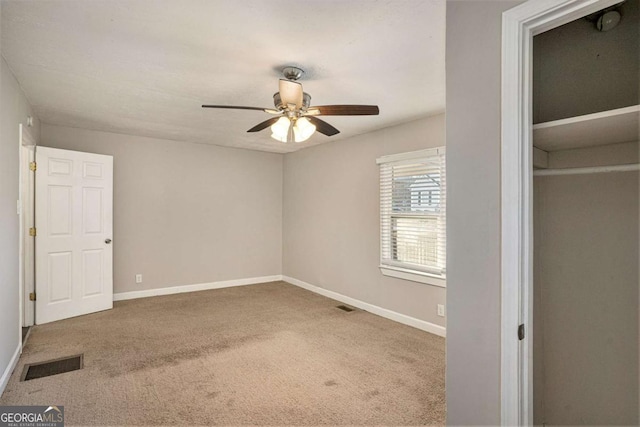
(344, 307)
(52, 367)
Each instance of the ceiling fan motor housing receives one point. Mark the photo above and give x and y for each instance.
(277, 101)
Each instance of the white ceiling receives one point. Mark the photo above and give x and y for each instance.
(144, 67)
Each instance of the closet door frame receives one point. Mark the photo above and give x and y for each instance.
(519, 26)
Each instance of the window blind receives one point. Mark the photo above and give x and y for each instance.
(413, 211)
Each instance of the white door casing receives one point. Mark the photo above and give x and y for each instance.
(26, 210)
(74, 224)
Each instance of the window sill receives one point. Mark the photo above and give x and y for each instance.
(414, 276)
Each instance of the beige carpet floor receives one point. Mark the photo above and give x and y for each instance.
(268, 354)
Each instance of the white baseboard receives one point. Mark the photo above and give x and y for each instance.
(392, 315)
(389, 314)
(9, 370)
(192, 288)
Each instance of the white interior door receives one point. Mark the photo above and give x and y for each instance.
(74, 255)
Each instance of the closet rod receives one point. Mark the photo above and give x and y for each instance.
(582, 171)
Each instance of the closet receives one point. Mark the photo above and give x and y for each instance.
(586, 221)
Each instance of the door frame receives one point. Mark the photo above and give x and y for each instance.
(519, 25)
(26, 256)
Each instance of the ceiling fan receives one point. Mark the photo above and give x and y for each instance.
(294, 118)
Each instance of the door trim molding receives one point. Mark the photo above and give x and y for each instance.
(519, 25)
(26, 190)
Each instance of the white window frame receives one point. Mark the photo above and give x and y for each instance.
(401, 270)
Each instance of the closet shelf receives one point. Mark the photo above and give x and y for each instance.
(602, 128)
(588, 170)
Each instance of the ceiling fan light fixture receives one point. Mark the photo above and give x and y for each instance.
(292, 105)
(303, 129)
(280, 129)
(278, 137)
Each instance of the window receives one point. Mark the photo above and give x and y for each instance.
(412, 216)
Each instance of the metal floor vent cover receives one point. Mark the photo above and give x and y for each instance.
(33, 371)
(345, 308)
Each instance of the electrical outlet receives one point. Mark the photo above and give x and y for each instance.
(441, 310)
(138, 278)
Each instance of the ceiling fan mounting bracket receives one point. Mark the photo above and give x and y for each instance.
(292, 73)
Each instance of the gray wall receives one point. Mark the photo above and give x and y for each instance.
(332, 218)
(578, 70)
(473, 210)
(586, 299)
(14, 109)
(186, 213)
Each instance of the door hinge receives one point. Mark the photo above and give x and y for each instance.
(33, 166)
(521, 332)
(32, 296)
(32, 232)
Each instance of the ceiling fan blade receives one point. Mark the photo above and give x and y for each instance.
(238, 107)
(322, 126)
(344, 110)
(290, 93)
(264, 125)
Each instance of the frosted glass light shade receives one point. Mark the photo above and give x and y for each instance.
(280, 129)
(303, 129)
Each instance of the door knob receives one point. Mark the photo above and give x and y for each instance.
(107, 241)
